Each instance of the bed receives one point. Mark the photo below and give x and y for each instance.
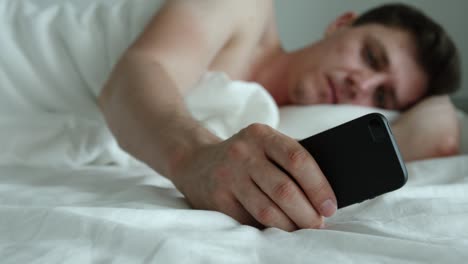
(69, 194)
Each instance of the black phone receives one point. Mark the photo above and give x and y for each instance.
(360, 159)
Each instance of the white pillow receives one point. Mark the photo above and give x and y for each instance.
(303, 121)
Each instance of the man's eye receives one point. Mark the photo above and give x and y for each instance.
(371, 58)
(380, 97)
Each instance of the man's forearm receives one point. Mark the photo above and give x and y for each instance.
(146, 112)
(428, 130)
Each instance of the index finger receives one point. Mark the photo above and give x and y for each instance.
(301, 166)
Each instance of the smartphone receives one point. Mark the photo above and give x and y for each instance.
(359, 158)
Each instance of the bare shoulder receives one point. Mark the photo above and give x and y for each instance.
(256, 34)
(258, 17)
(255, 11)
(189, 37)
(247, 17)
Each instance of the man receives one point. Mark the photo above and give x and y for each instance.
(369, 64)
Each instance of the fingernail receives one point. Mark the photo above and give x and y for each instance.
(328, 208)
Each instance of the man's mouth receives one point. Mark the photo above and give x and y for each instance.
(333, 98)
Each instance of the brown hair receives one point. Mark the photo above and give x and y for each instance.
(436, 52)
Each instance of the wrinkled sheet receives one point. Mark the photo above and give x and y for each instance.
(90, 214)
(69, 194)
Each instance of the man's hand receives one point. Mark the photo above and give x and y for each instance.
(239, 177)
(429, 129)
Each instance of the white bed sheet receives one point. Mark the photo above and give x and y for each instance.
(94, 214)
(68, 194)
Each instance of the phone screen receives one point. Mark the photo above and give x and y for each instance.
(360, 159)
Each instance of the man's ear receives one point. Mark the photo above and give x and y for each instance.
(344, 20)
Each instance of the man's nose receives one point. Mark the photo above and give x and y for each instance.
(366, 85)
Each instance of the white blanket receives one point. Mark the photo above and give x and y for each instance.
(108, 214)
(68, 194)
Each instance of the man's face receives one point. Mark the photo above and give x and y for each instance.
(369, 65)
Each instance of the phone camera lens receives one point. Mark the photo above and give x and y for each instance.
(377, 130)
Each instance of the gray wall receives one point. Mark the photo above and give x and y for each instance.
(302, 21)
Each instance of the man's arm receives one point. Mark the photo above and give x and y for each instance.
(144, 107)
(430, 129)
(143, 97)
